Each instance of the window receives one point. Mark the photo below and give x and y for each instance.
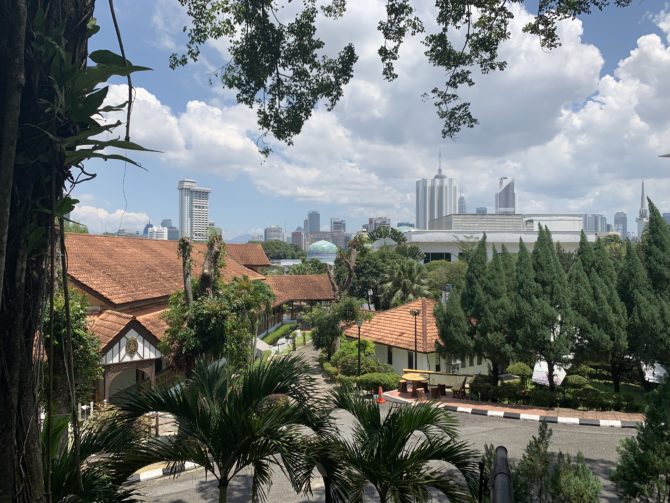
(437, 364)
(410, 360)
(389, 355)
(479, 359)
(472, 361)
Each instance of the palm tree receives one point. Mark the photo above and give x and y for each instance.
(406, 281)
(106, 478)
(230, 421)
(403, 454)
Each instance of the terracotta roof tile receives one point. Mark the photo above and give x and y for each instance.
(249, 255)
(126, 270)
(305, 287)
(395, 327)
(155, 323)
(108, 324)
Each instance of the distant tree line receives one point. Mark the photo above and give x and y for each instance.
(609, 302)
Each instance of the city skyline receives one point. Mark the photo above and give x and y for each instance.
(566, 139)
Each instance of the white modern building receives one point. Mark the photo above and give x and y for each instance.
(193, 210)
(158, 232)
(449, 244)
(274, 233)
(505, 197)
(435, 198)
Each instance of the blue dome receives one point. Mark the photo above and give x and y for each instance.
(321, 248)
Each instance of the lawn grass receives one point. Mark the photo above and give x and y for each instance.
(298, 342)
(636, 391)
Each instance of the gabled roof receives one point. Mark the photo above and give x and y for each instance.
(125, 270)
(249, 255)
(303, 287)
(108, 324)
(395, 327)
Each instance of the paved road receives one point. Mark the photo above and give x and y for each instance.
(597, 444)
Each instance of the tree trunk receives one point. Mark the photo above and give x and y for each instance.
(495, 372)
(550, 375)
(28, 160)
(616, 372)
(185, 254)
(223, 491)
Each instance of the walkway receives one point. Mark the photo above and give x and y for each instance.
(530, 412)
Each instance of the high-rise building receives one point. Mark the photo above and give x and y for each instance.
(313, 222)
(193, 210)
(621, 223)
(274, 233)
(375, 223)
(435, 198)
(462, 208)
(172, 231)
(594, 222)
(505, 197)
(160, 233)
(298, 238)
(643, 215)
(338, 225)
(145, 232)
(481, 210)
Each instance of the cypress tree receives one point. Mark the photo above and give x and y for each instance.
(656, 252)
(555, 339)
(494, 309)
(454, 328)
(611, 315)
(509, 268)
(526, 322)
(585, 254)
(582, 302)
(647, 313)
(474, 275)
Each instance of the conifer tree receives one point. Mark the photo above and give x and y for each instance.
(550, 331)
(494, 314)
(474, 275)
(656, 252)
(646, 330)
(582, 302)
(509, 267)
(453, 328)
(610, 315)
(585, 254)
(525, 302)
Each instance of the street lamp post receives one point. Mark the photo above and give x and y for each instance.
(415, 313)
(359, 323)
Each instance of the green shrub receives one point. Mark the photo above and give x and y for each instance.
(372, 381)
(282, 331)
(346, 357)
(481, 389)
(329, 370)
(573, 481)
(522, 371)
(346, 380)
(582, 369)
(589, 398)
(510, 392)
(566, 398)
(542, 397)
(575, 381)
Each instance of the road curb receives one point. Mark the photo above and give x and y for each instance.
(161, 472)
(602, 423)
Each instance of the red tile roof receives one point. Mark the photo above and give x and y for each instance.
(123, 270)
(155, 323)
(249, 255)
(108, 324)
(306, 287)
(395, 327)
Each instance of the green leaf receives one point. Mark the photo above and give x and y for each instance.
(89, 105)
(105, 57)
(78, 156)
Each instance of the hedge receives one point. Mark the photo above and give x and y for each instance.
(372, 381)
(282, 331)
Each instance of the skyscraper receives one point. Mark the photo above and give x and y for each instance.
(313, 222)
(375, 223)
(643, 215)
(505, 197)
(462, 209)
(274, 233)
(481, 210)
(435, 198)
(621, 223)
(193, 210)
(595, 223)
(338, 225)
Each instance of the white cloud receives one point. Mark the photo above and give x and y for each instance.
(573, 139)
(99, 220)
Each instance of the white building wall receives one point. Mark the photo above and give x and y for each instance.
(117, 353)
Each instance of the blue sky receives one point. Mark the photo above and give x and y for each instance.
(578, 128)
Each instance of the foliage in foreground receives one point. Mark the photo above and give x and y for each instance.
(643, 471)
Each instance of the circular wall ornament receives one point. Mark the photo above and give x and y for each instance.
(131, 346)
